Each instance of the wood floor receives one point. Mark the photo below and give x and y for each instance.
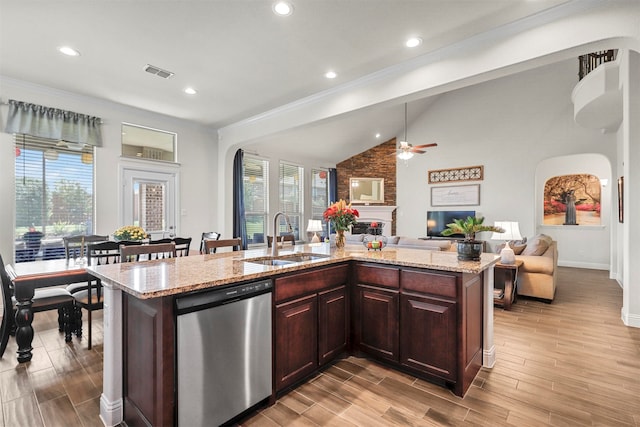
(569, 363)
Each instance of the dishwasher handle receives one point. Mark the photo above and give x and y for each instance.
(237, 292)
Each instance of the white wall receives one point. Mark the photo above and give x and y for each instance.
(509, 126)
(197, 154)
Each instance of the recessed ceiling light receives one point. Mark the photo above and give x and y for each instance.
(331, 75)
(377, 135)
(413, 42)
(282, 8)
(190, 91)
(69, 51)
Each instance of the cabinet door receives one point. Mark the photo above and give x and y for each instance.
(296, 332)
(428, 335)
(376, 321)
(332, 323)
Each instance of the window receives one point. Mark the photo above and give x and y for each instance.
(319, 196)
(146, 143)
(291, 197)
(54, 195)
(256, 198)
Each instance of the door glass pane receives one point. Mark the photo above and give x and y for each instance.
(149, 206)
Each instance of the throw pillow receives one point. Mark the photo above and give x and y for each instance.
(537, 245)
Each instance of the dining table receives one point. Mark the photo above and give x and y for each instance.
(27, 277)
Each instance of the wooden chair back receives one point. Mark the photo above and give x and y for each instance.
(211, 235)
(282, 240)
(211, 245)
(72, 244)
(129, 253)
(182, 245)
(7, 308)
(103, 253)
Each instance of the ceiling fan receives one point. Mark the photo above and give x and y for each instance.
(406, 150)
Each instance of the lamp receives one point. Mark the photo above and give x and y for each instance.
(511, 232)
(314, 226)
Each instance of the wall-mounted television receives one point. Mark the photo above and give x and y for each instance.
(437, 221)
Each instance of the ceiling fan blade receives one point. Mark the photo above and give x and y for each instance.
(426, 145)
(417, 151)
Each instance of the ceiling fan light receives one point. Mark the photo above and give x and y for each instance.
(405, 155)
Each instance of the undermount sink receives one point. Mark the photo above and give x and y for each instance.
(269, 261)
(286, 259)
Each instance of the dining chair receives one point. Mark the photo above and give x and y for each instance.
(43, 300)
(72, 244)
(182, 245)
(210, 246)
(211, 235)
(89, 295)
(288, 238)
(131, 253)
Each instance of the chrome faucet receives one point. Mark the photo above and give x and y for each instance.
(274, 244)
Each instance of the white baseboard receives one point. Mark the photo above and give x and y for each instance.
(578, 264)
(632, 320)
(489, 357)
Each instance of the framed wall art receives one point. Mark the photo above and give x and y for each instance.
(456, 195)
(469, 173)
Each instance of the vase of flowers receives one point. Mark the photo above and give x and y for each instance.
(342, 216)
(132, 233)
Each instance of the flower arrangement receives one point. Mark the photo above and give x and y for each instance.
(130, 232)
(341, 215)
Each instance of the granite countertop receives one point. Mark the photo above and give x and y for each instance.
(152, 279)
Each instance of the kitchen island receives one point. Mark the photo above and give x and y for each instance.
(417, 283)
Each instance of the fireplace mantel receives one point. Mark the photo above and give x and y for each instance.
(379, 213)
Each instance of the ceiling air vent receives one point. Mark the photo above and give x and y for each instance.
(158, 71)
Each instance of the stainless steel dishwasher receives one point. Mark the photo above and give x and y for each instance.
(223, 352)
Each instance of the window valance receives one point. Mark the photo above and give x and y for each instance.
(52, 123)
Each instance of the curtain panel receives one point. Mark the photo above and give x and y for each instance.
(52, 123)
(239, 223)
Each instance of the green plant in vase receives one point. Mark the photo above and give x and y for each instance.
(469, 249)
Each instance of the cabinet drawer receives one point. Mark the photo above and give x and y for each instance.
(429, 283)
(371, 274)
(309, 282)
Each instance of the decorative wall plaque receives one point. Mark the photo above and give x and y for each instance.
(470, 173)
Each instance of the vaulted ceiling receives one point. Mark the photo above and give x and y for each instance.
(239, 56)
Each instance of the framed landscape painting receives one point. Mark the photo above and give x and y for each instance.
(572, 200)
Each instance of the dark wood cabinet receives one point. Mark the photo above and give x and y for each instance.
(296, 340)
(376, 321)
(311, 322)
(333, 329)
(428, 335)
(148, 361)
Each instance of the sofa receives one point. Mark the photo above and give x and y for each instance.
(403, 242)
(538, 275)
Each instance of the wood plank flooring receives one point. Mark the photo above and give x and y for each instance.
(569, 363)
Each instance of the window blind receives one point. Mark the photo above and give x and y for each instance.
(256, 198)
(53, 193)
(291, 186)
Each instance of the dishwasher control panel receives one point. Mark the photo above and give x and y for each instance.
(209, 298)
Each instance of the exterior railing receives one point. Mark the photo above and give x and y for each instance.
(590, 61)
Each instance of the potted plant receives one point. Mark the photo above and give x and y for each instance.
(469, 249)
